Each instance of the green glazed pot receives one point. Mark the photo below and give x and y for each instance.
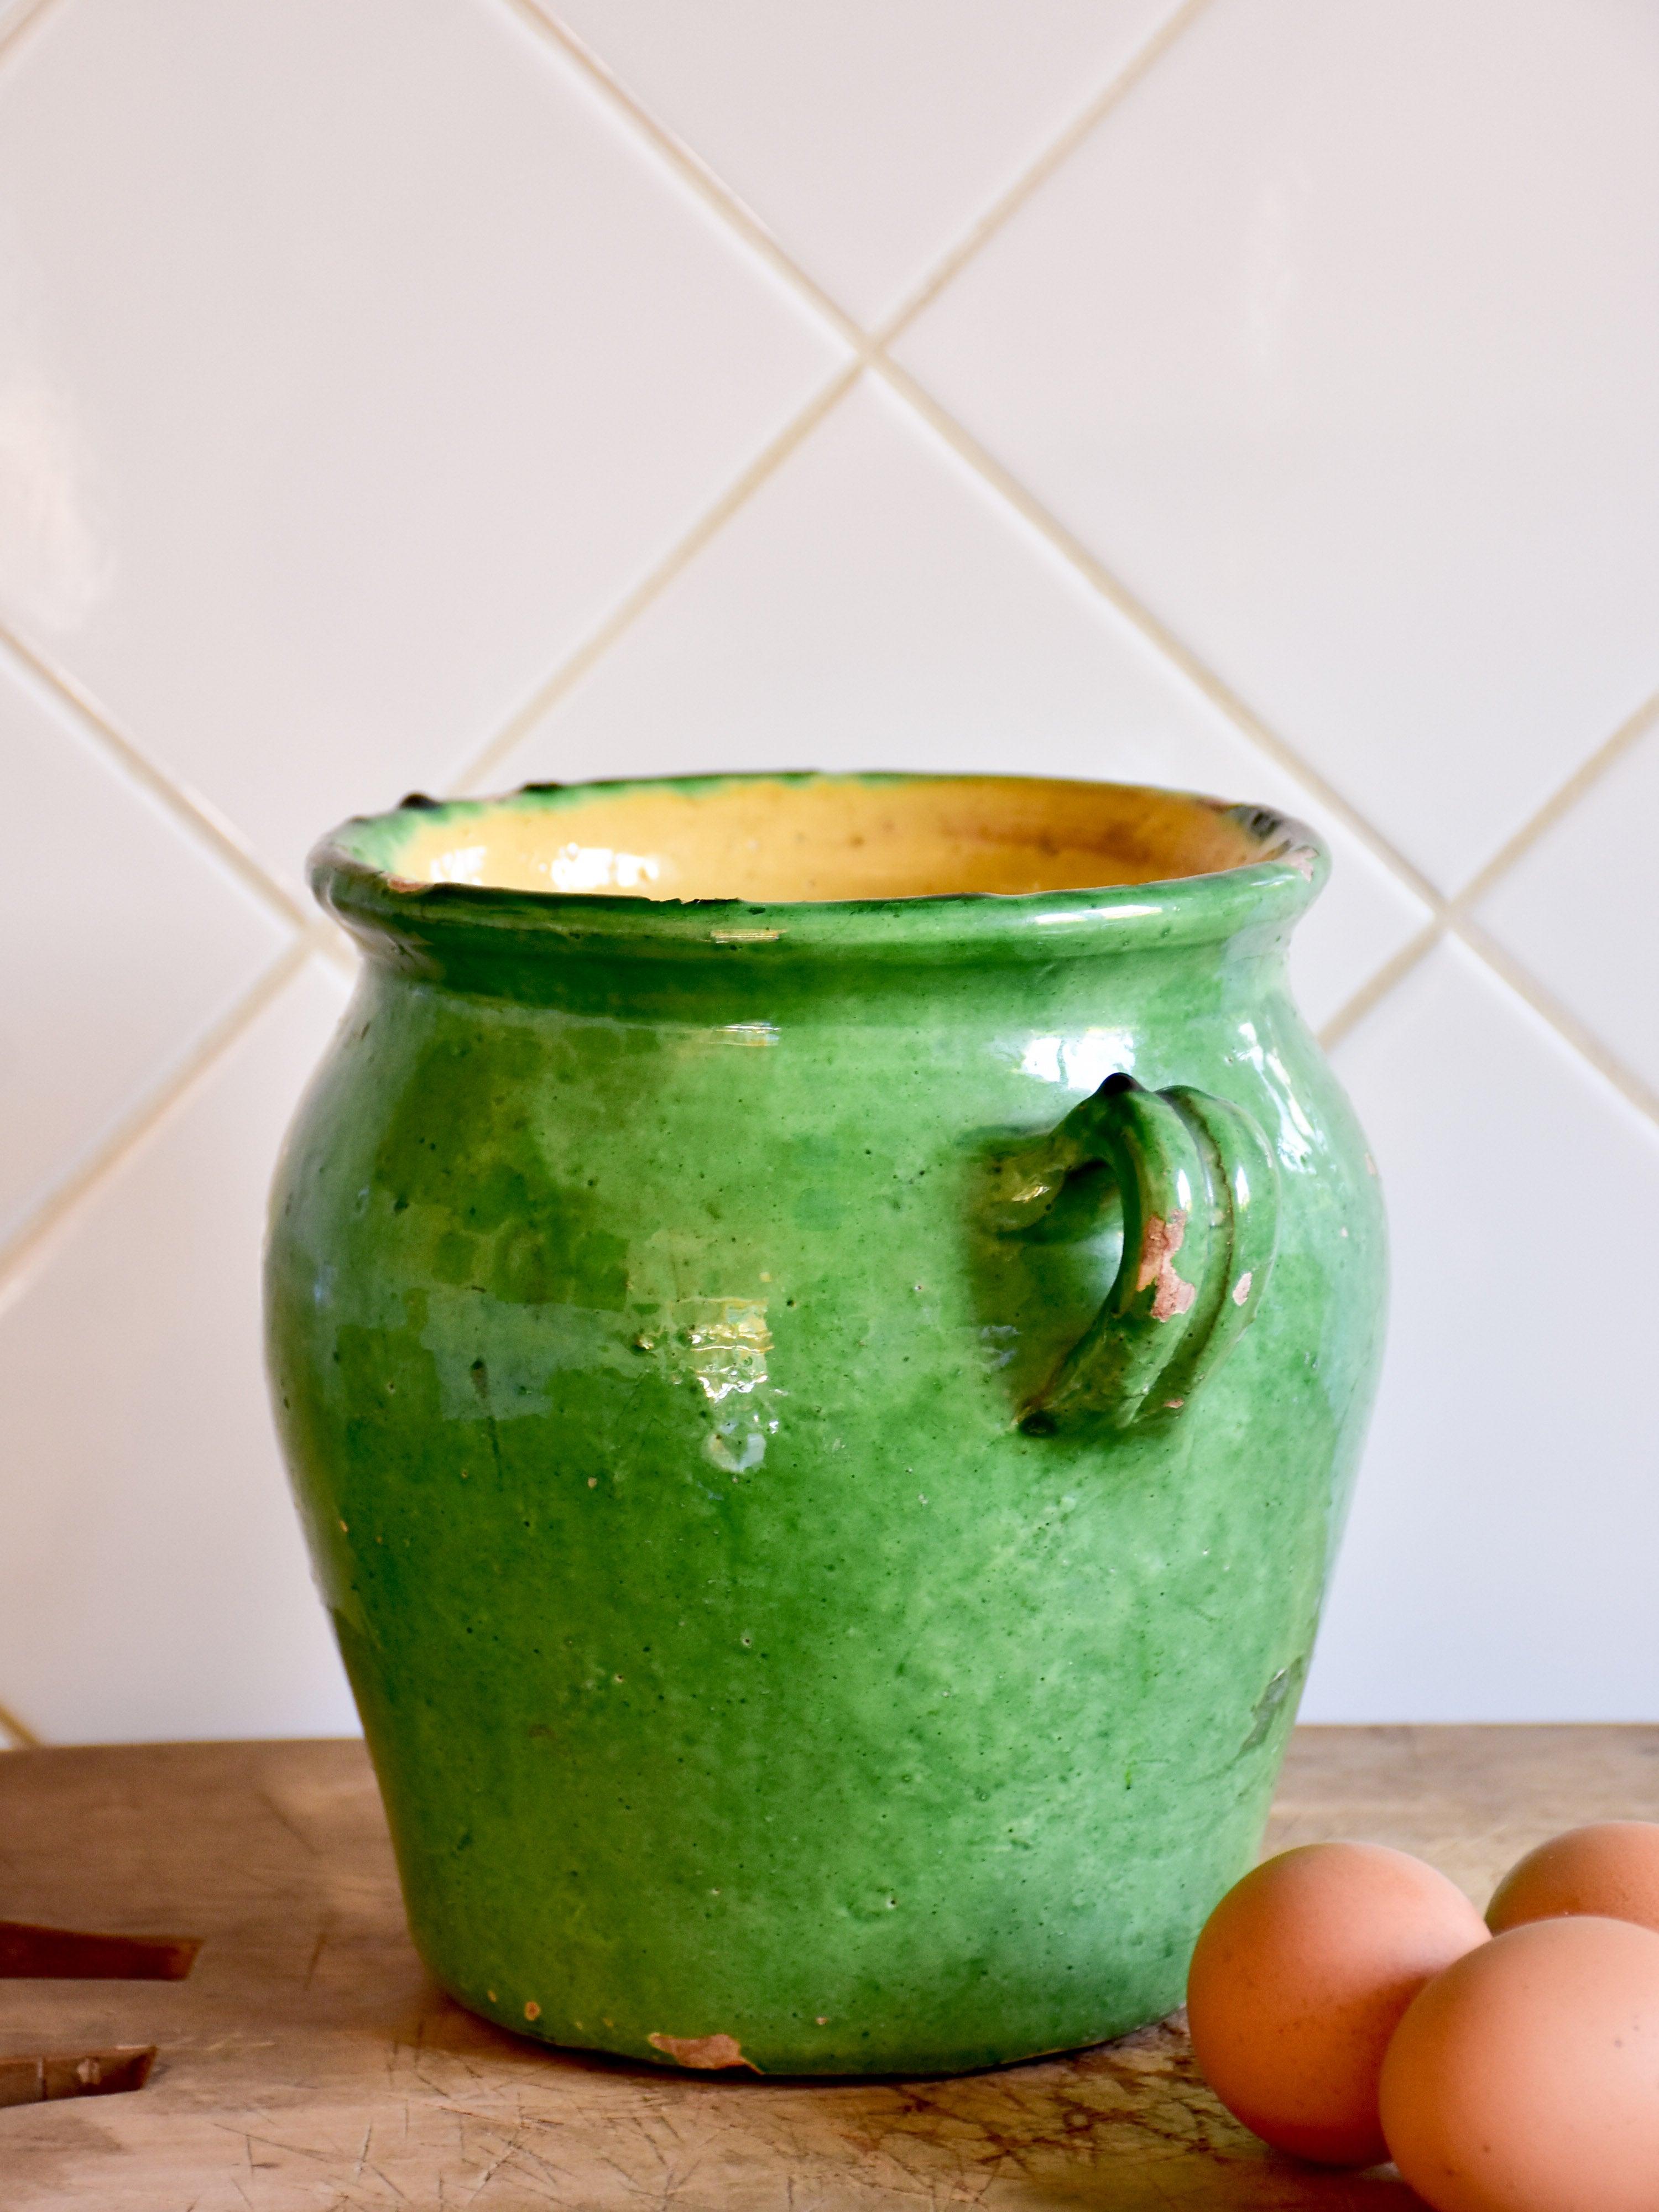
(822, 1422)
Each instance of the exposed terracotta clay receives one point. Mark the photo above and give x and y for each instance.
(707, 2054)
(1158, 1246)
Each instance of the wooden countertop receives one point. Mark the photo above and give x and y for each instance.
(308, 2065)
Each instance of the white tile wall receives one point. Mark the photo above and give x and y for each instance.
(340, 420)
(1503, 1538)
(152, 1579)
(1253, 395)
(868, 138)
(128, 920)
(1337, 346)
(875, 601)
(1578, 908)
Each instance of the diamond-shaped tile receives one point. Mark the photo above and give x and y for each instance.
(868, 138)
(354, 360)
(152, 1580)
(1338, 341)
(1578, 910)
(122, 940)
(1498, 1565)
(875, 606)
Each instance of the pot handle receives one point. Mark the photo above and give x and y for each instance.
(1200, 1189)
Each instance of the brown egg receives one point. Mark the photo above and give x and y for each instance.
(1300, 1977)
(1611, 1868)
(1526, 2077)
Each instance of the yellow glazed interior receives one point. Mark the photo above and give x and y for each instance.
(773, 838)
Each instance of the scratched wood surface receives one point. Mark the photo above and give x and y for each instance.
(309, 2066)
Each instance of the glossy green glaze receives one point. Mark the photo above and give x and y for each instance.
(765, 1621)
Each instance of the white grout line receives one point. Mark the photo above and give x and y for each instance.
(20, 1738)
(1376, 987)
(651, 588)
(1461, 922)
(26, 19)
(1559, 804)
(33, 1237)
(1455, 916)
(196, 814)
(1000, 212)
(1510, 971)
(690, 166)
(1171, 648)
(1565, 1023)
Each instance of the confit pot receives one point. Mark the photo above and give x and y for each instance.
(822, 1328)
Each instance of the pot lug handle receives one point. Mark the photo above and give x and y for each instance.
(1200, 1189)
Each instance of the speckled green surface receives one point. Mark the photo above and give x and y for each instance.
(650, 1334)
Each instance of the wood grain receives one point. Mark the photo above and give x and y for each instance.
(308, 2065)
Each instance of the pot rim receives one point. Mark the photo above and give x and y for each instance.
(375, 905)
